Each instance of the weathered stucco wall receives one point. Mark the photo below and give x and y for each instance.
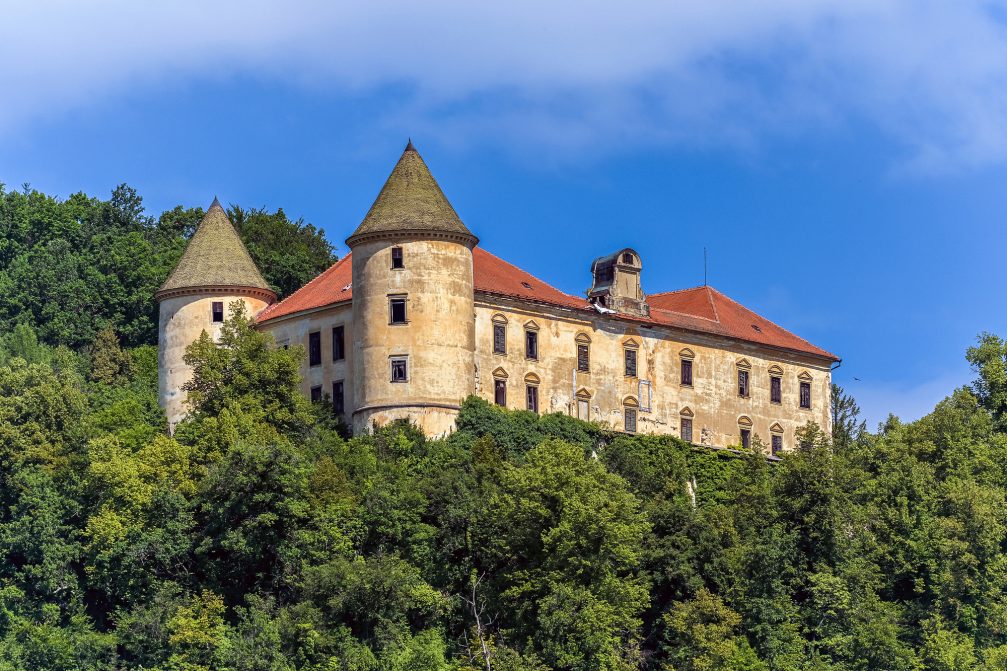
(294, 330)
(712, 400)
(438, 338)
(182, 320)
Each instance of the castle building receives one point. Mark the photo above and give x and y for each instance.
(417, 317)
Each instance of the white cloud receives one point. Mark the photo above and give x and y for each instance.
(571, 75)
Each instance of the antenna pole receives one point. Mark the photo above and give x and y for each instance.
(704, 266)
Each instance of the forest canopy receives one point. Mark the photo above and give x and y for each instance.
(261, 536)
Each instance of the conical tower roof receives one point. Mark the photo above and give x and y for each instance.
(411, 202)
(215, 257)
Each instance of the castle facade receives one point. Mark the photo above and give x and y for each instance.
(417, 317)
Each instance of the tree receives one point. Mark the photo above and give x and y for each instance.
(989, 361)
(846, 423)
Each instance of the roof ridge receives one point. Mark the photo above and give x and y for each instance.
(713, 303)
(676, 291)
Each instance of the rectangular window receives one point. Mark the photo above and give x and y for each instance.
(687, 372)
(316, 394)
(630, 362)
(646, 395)
(630, 421)
(531, 396)
(217, 307)
(805, 394)
(397, 258)
(397, 310)
(743, 383)
(686, 429)
(499, 338)
(531, 344)
(338, 343)
(315, 348)
(500, 392)
(338, 399)
(400, 369)
(777, 444)
(583, 359)
(583, 409)
(746, 438)
(775, 390)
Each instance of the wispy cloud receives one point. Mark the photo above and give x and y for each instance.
(930, 75)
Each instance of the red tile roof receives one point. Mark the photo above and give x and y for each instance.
(702, 309)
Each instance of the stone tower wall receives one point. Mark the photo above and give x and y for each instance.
(182, 319)
(439, 338)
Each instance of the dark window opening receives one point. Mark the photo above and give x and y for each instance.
(499, 339)
(806, 395)
(775, 390)
(500, 392)
(630, 420)
(687, 372)
(338, 398)
(743, 383)
(687, 430)
(400, 372)
(338, 343)
(777, 444)
(630, 363)
(531, 344)
(397, 258)
(583, 358)
(316, 394)
(217, 307)
(397, 310)
(531, 394)
(314, 348)
(746, 438)
(628, 258)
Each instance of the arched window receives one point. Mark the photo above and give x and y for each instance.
(627, 257)
(686, 357)
(531, 382)
(630, 410)
(500, 387)
(583, 353)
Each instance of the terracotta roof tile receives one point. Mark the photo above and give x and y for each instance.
(701, 309)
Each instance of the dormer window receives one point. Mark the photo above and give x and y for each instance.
(217, 310)
(397, 262)
(628, 258)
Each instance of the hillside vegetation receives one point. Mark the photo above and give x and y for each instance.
(261, 537)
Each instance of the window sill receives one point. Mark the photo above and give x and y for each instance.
(399, 381)
(531, 358)
(495, 353)
(398, 323)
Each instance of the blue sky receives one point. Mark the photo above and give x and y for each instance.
(845, 163)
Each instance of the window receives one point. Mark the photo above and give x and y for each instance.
(400, 369)
(500, 392)
(628, 258)
(397, 310)
(583, 409)
(583, 358)
(338, 399)
(777, 444)
(746, 439)
(630, 420)
(316, 394)
(315, 348)
(397, 258)
(686, 372)
(499, 338)
(630, 362)
(743, 383)
(686, 429)
(775, 389)
(531, 396)
(217, 308)
(646, 395)
(806, 395)
(531, 344)
(338, 343)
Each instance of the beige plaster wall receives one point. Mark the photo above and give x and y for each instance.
(713, 398)
(181, 321)
(294, 331)
(439, 338)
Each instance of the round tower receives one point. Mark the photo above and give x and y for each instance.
(215, 270)
(413, 313)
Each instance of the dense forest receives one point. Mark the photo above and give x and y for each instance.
(260, 536)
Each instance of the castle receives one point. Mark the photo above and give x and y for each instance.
(417, 317)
